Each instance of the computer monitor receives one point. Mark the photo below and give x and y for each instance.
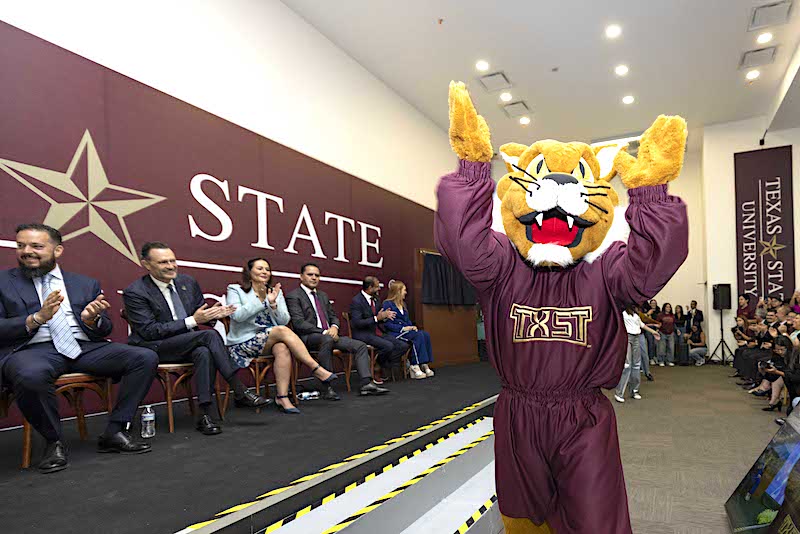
(756, 501)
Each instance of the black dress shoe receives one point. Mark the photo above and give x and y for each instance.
(251, 400)
(372, 389)
(649, 377)
(771, 407)
(121, 442)
(54, 459)
(331, 395)
(205, 425)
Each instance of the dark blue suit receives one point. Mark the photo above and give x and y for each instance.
(362, 322)
(420, 340)
(152, 326)
(31, 369)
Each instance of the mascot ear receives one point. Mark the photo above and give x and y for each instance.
(510, 153)
(502, 187)
(611, 173)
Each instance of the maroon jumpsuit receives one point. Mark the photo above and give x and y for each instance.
(555, 337)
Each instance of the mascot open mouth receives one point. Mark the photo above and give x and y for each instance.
(554, 227)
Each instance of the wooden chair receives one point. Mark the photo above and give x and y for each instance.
(71, 386)
(259, 367)
(171, 376)
(373, 355)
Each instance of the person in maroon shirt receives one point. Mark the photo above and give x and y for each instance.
(552, 290)
(666, 345)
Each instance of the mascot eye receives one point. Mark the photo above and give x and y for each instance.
(583, 171)
(538, 167)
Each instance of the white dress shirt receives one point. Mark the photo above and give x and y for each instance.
(43, 333)
(633, 324)
(369, 303)
(313, 304)
(167, 290)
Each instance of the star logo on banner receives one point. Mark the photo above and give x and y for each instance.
(60, 213)
(771, 247)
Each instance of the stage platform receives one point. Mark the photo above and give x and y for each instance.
(188, 478)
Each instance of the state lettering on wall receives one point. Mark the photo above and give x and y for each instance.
(765, 222)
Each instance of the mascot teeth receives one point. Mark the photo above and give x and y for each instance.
(570, 221)
(540, 218)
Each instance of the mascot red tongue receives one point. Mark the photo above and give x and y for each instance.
(555, 231)
(555, 335)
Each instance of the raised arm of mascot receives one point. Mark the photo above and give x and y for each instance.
(658, 242)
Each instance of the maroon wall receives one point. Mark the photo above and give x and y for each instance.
(153, 145)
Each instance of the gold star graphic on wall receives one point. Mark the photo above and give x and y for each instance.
(62, 212)
(771, 247)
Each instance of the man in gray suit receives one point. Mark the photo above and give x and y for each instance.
(314, 320)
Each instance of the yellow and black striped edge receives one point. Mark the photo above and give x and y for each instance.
(288, 519)
(400, 489)
(485, 507)
(331, 467)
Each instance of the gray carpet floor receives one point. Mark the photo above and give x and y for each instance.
(685, 447)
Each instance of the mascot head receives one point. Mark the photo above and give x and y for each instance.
(555, 206)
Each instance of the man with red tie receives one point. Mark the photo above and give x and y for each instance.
(317, 325)
(366, 317)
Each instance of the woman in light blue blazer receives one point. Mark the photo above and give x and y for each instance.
(258, 328)
(401, 327)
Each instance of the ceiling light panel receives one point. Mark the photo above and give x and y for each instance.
(516, 109)
(756, 58)
(771, 14)
(495, 82)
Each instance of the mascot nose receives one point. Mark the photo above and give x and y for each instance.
(561, 178)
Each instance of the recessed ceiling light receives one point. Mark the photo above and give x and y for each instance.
(524, 121)
(506, 97)
(621, 70)
(753, 74)
(482, 65)
(613, 31)
(628, 99)
(764, 38)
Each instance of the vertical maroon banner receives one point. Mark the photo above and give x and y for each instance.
(765, 222)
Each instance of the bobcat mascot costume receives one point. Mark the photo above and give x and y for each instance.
(552, 290)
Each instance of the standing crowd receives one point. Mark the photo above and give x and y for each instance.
(54, 322)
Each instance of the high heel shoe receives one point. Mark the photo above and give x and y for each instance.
(328, 381)
(771, 407)
(292, 410)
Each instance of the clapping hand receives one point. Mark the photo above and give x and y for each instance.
(272, 294)
(92, 311)
(49, 307)
(206, 314)
(386, 314)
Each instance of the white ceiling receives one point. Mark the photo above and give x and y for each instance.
(683, 57)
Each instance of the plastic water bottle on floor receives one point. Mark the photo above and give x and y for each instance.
(148, 422)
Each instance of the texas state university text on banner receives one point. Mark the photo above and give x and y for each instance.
(764, 222)
(113, 163)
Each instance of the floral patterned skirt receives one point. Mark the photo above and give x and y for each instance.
(243, 353)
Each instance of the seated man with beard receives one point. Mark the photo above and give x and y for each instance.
(53, 322)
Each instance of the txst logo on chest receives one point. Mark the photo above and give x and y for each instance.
(549, 323)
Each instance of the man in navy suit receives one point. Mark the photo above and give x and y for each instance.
(366, 317)
(53, 322)
(164, 309)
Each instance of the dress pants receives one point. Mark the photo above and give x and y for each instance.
(390, 350)
(422, 351)
(33, 370)
(325, 345)
(204, 348)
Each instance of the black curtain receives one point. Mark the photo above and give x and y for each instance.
(441, 284)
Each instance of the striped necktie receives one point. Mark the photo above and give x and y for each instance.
(60, 330)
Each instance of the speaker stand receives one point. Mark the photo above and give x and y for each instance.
(721, 346)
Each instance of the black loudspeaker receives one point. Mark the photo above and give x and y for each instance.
(722, 296)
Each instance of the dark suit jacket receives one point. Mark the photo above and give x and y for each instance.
(697, 319)
(304, 313)
(18, 299)
(362, 320)
(148, 312)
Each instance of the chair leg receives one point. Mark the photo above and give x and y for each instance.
(77, 406)
(258, 379)
(220, 407)
(348, 369)
(26, 443)
(187, 385)
(293, 380)
(107, 400)
(167, 378)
